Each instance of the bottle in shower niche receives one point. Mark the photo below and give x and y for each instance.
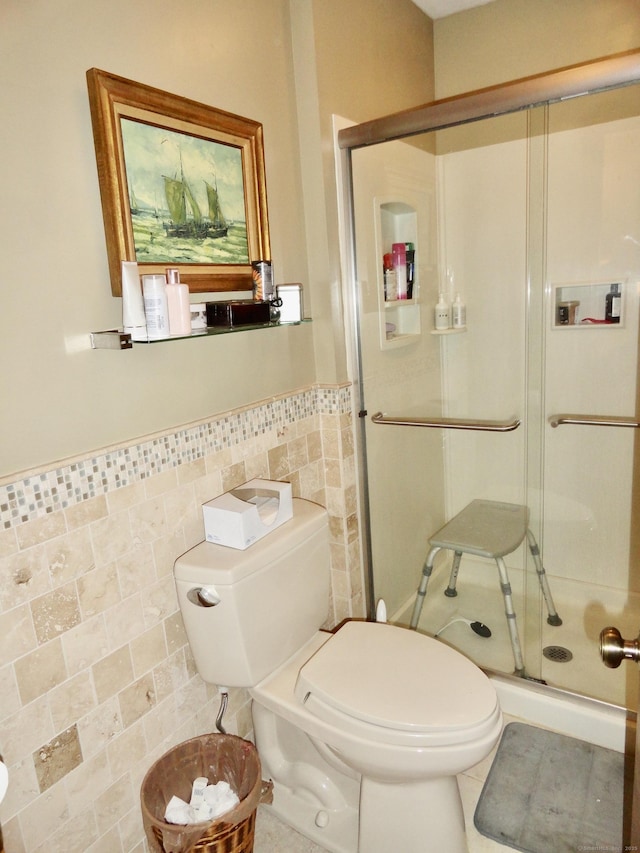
(399, 254)
(442, 314)
(411, 268)
(458, 313)
(178, 305)
(613, 300)
(154, 292)
(390, 280)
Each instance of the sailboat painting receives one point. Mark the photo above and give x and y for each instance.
(189, 200)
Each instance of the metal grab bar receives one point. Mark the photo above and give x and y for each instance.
(593, 420)
(448, 423)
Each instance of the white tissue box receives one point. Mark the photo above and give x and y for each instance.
(240, 517)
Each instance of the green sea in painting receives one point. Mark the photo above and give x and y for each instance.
(153, 245)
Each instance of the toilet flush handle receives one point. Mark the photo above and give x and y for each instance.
(203, 596)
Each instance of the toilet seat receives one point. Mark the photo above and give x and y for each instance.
(396, 686)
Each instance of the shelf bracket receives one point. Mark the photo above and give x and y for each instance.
(111, 339)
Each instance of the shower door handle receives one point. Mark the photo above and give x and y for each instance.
(613, 649)
(448, 423)
(593, 420)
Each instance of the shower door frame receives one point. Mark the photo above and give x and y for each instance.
(538, 91)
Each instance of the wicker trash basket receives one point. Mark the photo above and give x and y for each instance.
(217, 757)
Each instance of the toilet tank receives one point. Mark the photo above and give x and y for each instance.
(266, 602)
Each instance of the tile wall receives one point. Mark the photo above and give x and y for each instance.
(96, 676)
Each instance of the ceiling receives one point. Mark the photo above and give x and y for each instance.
(441, 8)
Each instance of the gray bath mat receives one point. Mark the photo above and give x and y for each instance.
(548, 792)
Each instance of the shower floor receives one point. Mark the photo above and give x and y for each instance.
(583, 617)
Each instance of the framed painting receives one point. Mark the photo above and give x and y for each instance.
(182, 185)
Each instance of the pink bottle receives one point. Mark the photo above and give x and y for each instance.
(178, 304)
(399, 252)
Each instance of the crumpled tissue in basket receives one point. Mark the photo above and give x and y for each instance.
(216, 800)
(216, 757)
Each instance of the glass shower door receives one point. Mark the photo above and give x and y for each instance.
(590, 328)
(533, 219)
(465, 210)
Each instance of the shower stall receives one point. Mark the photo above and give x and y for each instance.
(525, 201)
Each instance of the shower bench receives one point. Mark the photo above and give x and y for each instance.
(487, 529)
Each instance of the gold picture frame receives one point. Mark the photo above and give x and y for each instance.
(182, 185)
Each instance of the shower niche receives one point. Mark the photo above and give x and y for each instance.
(397, 222)
(588, 305)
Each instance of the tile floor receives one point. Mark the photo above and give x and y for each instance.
(272, 836)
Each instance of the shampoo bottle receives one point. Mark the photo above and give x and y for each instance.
(178, 304)
(390, 280)
(612, 304)
(458, 313)
(155, 306)
(442, 314)
(411, 268)
(399, 253)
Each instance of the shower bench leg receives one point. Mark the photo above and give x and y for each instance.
(510, 613)
(552, 618)
(422, 589)
(451, 591)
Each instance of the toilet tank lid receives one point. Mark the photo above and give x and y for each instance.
(208, 563)
(397, 678)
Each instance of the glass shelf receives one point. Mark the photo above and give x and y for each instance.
(456, 331)
(115, 339)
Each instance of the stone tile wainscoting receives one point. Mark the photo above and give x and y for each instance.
(96, 676)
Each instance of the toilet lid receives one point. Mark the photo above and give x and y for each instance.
(397, 678)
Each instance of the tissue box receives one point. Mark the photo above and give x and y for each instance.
(291, 310)
(240, 517)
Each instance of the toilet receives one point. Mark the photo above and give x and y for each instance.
(362, 730)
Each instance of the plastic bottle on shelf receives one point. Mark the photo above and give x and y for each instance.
(411, 268)
(458, 313)
(178, 304)
(134, 321)
(442, 314)
(390, 280)
(612, 304)
(154, 291)
(399, 252)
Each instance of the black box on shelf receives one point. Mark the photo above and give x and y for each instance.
(242, 312)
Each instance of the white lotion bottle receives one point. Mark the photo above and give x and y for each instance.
(155, 306)
(134, 322)
(442, 314)
(458, 313)
(178, 304)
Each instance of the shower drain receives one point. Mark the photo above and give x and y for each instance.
(557, 653)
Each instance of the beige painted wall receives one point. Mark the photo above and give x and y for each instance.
(345, 65)
(508, 39)
(60, 398)
(63, 397)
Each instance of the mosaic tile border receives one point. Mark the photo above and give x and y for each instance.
(49, 491)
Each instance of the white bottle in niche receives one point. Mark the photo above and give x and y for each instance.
(458, 313)
(442, 314)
